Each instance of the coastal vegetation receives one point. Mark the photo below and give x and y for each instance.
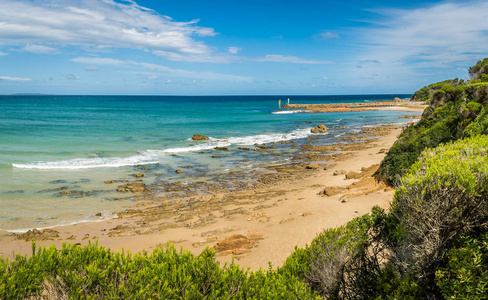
(457, 109)
(431, 244)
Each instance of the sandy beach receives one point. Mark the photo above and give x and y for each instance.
(255, 226)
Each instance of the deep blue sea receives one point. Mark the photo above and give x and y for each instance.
(53, 143)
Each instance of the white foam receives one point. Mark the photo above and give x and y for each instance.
(155, 156)
(207, 146)
(283, 112)
(145, 157)
(24, 230)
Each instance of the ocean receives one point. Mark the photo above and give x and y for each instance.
(56, 152)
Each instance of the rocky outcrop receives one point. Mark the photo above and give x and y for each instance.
(332, 190)
(199, 137)
(134, 187)
(319, 129)
(238, 244)
(38, 235)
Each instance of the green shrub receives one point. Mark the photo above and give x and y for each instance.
(466, 273)
(344, 262)
(93, 272)
(443, 196)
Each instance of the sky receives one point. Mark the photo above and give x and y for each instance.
(213, 47)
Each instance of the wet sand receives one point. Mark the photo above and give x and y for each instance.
(254, 225)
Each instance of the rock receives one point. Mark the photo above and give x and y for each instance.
(332, 190)
(238, 244)
(319, 129)
(38, 235)
(98, 214)
(178, 171)
(312, 166)
(222, 148)
(134, 187)
(138, 175)
(353, 175)
(341, 172)
(199, 137)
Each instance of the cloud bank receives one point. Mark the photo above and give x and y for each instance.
(44, 25)
(160, 69)
(422, 41)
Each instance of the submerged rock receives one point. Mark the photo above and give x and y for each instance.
(222, 148)
(135, 187)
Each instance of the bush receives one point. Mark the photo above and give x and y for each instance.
(466, 273)
(443, 196)
(345, 262)
(92, 272)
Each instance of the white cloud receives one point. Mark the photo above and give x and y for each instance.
(164, 70)
(290, 59)
(326, 36)
(97, 23)
(8, 78)
(40, 49)
(425, 41)
(3, 53)
(98, 61)
(72, 77)
(91, 68)
(234, 50)
(325, 78)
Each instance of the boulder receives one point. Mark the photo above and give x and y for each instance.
(199, 137)
(353, 175)
(332, 190)
(319, 129)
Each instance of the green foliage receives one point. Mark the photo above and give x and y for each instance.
(479, 125)
(479, 69)
(92, 272)
(426, 93)
(466, 273)
(345, 262)
(443, 196)
(456, 109)
(442, 127)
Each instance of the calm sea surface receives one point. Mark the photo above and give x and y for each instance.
(53, 143)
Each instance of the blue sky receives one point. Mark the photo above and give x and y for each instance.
(277, 47)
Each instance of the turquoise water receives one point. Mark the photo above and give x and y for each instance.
(51, 143)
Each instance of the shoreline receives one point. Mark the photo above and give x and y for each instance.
(264, 223)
